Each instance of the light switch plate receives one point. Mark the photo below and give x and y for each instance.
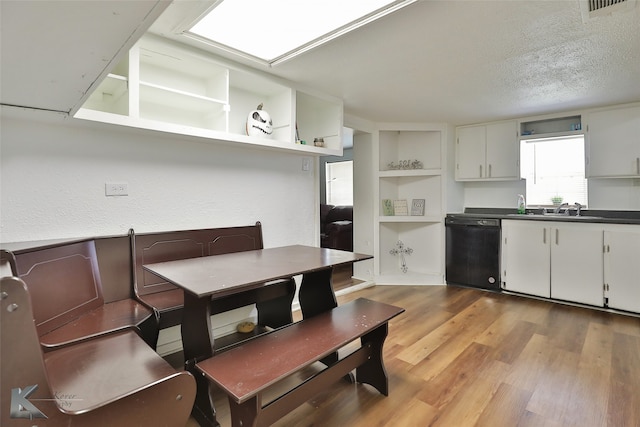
(116, 189)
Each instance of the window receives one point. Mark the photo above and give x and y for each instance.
(340, 183)
(273, 31)
(554, 171)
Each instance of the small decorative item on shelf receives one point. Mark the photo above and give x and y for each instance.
(402, 250)
(259, 123)
(297, 134)
(400, 207)
(405, 165)
(417, 207)
(318, 142)
(387, 207)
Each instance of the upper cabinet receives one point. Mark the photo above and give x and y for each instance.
(613, 138)
(165, 86)
(488, 152)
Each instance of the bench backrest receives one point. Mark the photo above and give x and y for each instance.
(22, 363)
(63, 281)
(150, 248)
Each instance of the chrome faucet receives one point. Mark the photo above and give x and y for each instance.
(578, 208)
(558, 208)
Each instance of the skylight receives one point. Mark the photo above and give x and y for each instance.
(273, 31)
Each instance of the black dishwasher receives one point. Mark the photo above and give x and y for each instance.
(473, 251)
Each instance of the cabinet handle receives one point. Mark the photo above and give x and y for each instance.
(638, 165)
(544, 236)
(557, 233)
(489, 171)
(480, 171)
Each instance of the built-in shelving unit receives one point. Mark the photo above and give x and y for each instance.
(165, 86)
(410, 167)
(551, 127)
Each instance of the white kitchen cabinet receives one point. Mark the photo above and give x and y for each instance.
(409, 159)
(165, 86)
(613, 138)
(622, 267)
(526, 260)
(577, 263)
(553, 260)
(488, 152)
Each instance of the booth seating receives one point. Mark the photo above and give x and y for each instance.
(114, 379)
(245, 372)
(65, 282)
(167, 300)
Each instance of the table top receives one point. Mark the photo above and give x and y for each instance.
(229, 273)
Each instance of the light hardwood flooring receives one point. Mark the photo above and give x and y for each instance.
(464, 357)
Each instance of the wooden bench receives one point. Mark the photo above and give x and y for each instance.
(111, 380)
(246, 371)
(167, 300)
(65, 284)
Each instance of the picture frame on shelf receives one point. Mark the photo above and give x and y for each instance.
(400, 207)
(387, 207)
(417, 207)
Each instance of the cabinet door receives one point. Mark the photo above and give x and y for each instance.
(470, 153)
(577, 263)
(614, 143)
(526, 257)
(622, 268)
(503, 150)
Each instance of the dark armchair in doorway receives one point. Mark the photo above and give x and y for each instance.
(336, 227)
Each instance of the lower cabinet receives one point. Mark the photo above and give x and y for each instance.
(577, 263)
(622, 267)
(554, 260)
(525, 257)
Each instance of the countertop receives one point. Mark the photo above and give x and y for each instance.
(587, 216)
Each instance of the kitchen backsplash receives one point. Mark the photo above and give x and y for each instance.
(604, 194)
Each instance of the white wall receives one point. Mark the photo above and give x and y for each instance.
(54, 169)
(498, 194)
(614, 194)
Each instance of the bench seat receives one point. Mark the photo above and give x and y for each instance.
(249, 369)
(65, 285)
(114, 379)
(111, 317)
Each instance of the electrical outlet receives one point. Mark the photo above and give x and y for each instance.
(116, 189)
(306, 164)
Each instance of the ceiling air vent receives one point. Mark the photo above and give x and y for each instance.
(599, 4)
(594, 8)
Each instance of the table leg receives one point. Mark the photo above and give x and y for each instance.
(316, 296)
(316, 293)
(197, 342)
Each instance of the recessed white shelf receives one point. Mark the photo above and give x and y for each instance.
(422, 233)
(168, 87)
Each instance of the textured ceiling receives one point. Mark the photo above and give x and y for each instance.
(450, 61)
(471, 61)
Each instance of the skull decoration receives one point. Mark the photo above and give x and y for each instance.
(259, 123)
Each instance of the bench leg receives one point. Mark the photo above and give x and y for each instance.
(245, 414)
(372, 371)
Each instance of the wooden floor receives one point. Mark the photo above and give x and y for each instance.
(462, 357)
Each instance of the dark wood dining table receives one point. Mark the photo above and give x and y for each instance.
(206, 278)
